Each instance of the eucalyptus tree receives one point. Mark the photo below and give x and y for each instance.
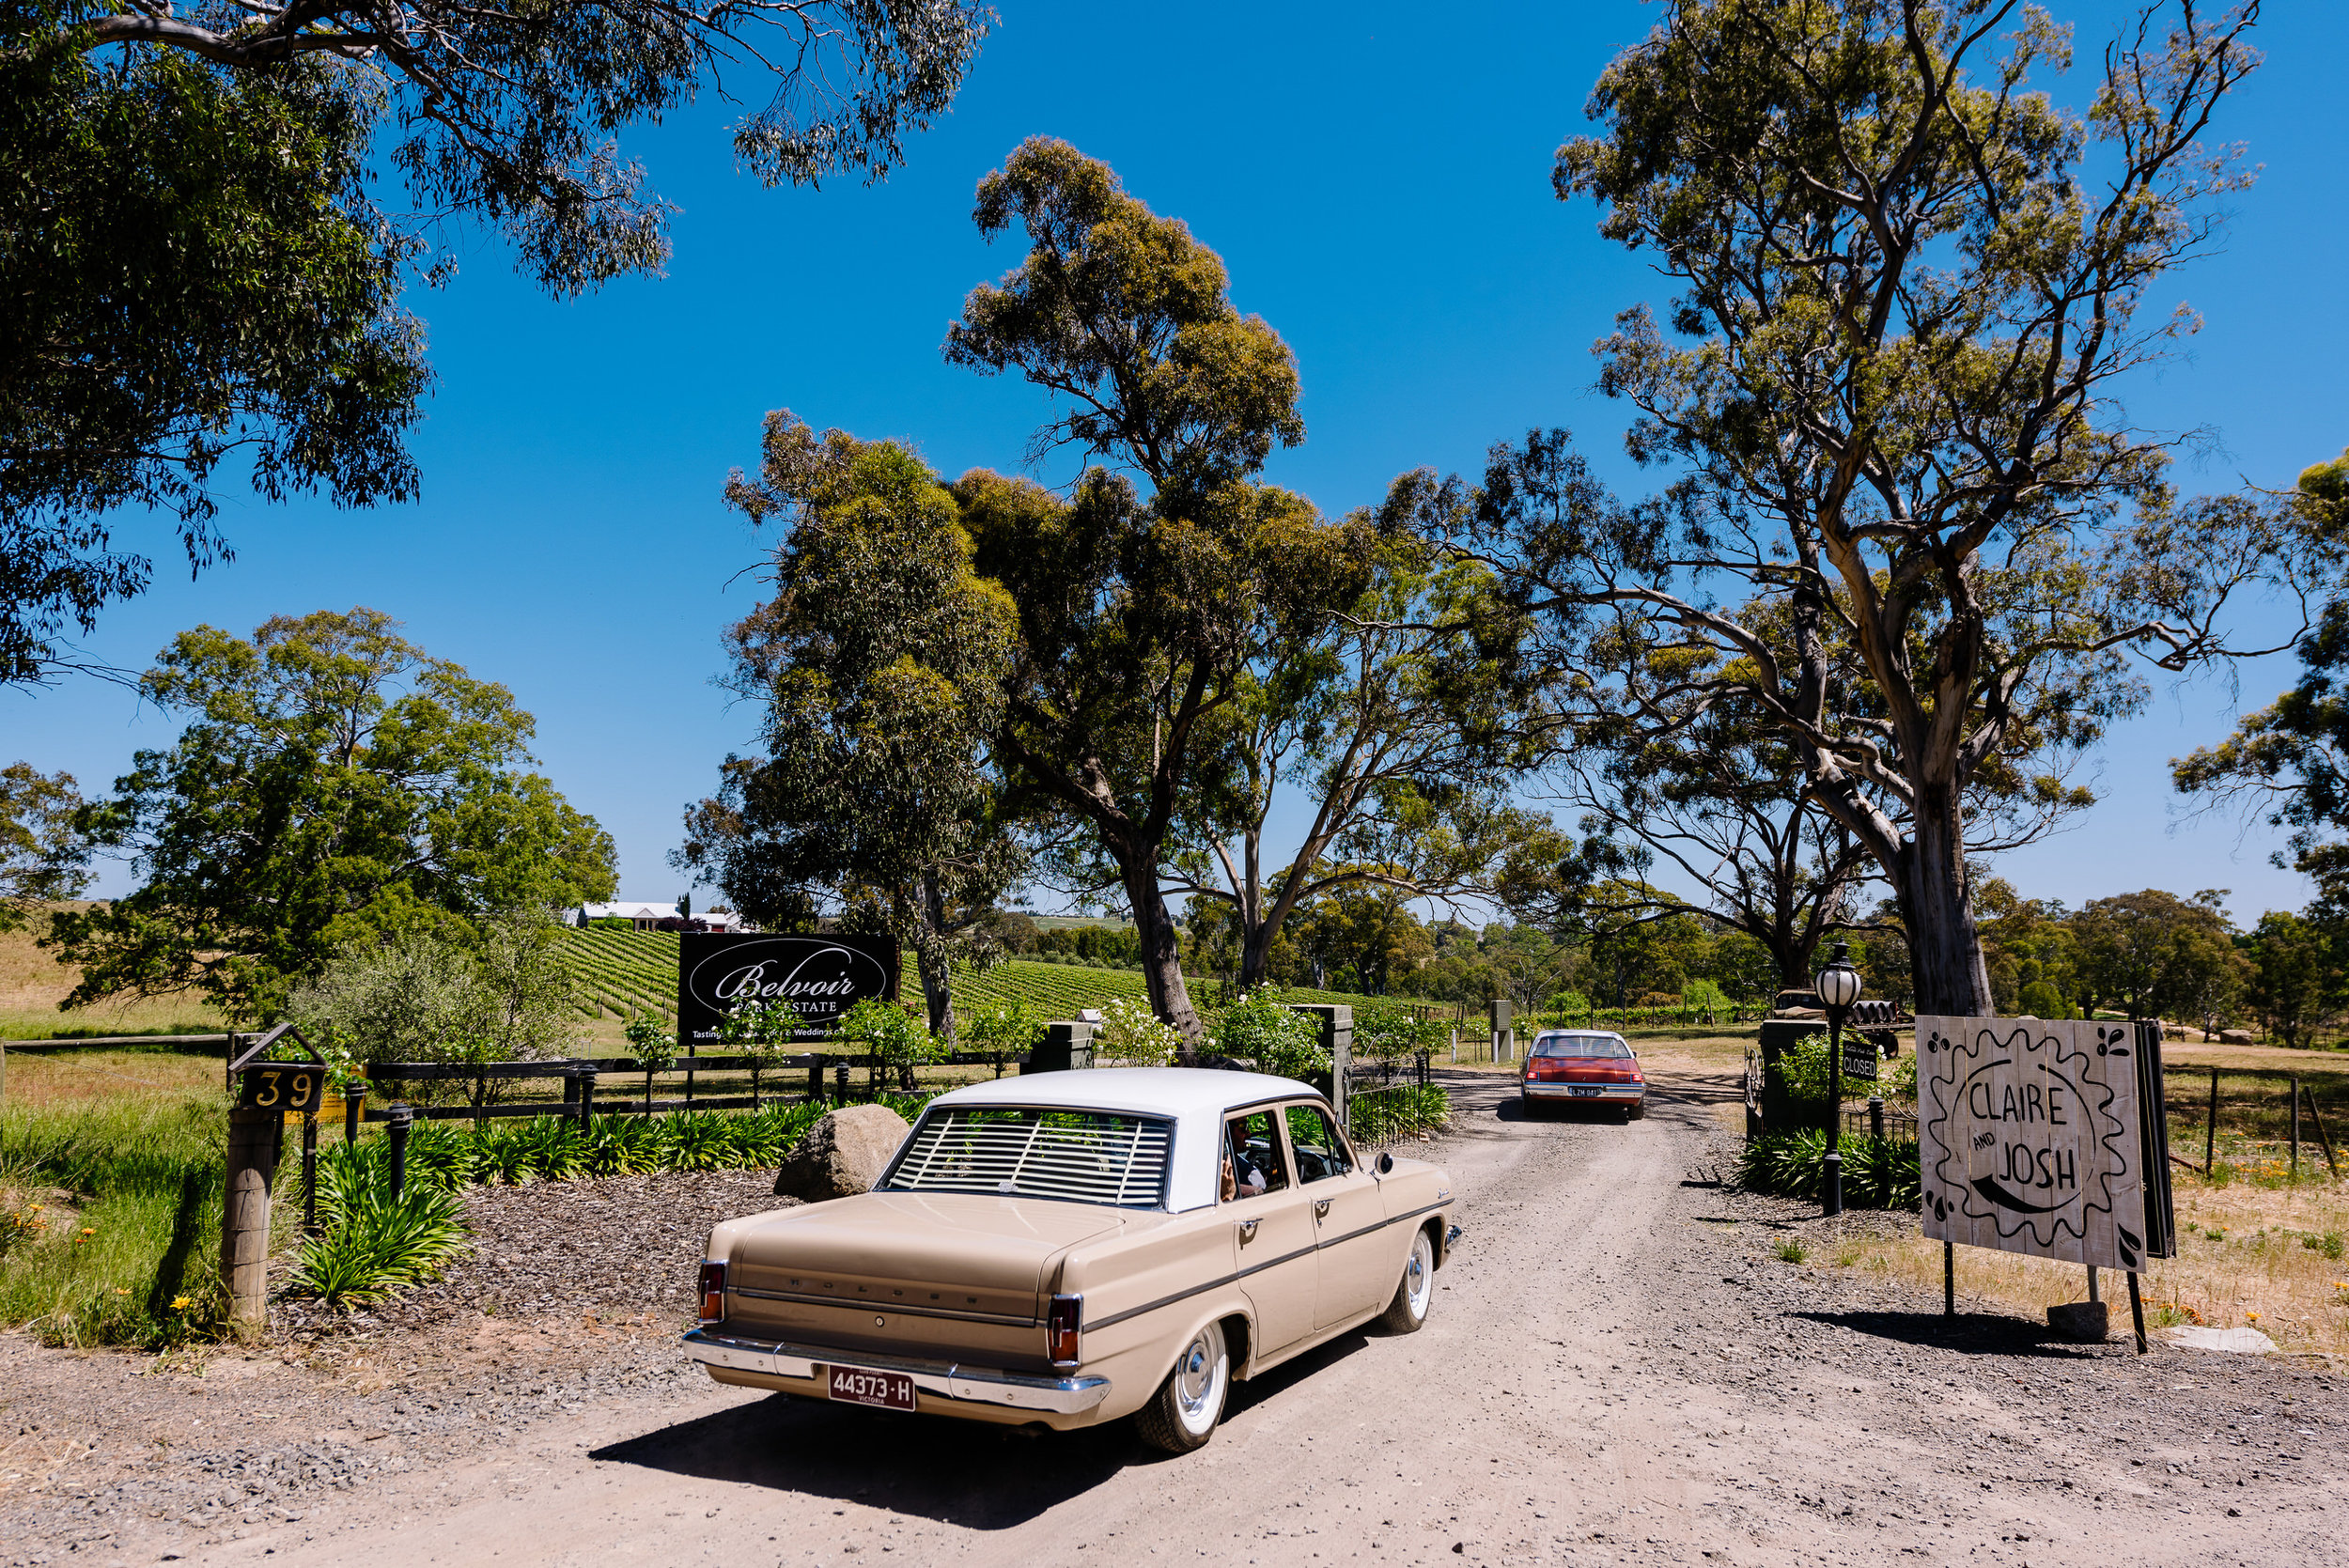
(1144, 596)
(1402, 726)
(198, 267)
(2290, 759)
(1911, 283)
(878, 668)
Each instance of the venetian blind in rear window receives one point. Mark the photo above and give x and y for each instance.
(1088, 1157)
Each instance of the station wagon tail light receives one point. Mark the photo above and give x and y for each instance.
(1063, 1328)
(713, 1292)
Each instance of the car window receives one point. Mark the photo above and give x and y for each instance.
(1254, 1163)
(1320, 1151)
(1604, 1046)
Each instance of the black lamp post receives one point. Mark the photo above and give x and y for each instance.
(1838, 987)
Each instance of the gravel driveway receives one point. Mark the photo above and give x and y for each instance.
(1617, 1370)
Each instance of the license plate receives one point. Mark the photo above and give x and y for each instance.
(883, 1390)
(1580, 1090)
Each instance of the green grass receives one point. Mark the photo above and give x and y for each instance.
(115, 1207)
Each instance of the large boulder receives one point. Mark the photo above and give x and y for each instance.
(844, 1153)
(2237, 1037)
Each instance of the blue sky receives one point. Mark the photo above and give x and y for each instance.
(1378, 188)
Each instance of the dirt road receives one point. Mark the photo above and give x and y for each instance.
(1617, 1370)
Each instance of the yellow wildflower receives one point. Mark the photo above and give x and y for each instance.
(181, 1303)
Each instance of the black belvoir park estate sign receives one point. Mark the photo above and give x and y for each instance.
(821, 977)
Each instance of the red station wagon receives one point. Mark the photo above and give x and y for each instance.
(1582, 1067)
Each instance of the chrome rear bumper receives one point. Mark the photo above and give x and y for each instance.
(1061, 1396)
(1566, 1091)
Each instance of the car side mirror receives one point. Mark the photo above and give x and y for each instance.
(1384, 1164)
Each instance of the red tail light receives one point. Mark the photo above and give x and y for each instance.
(1063, 1327)
(713, 1292)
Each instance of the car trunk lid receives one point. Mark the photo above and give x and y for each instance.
(943, 1275)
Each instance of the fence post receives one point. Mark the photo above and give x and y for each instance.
(2210, 1138)
(587, 1081)
(255, 1135)
(2296, 1127)
(355, 1107)
(815, 1080)
(310, 1173)
(396, 1124)
(840, 1080)
(1875, 1117)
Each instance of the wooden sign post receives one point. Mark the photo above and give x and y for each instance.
(2033, 1138)
(256, 1127)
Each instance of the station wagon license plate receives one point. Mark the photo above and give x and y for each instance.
(1580, 1090)
(884, 1390)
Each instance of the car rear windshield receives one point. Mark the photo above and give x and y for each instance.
(1087, 1157)
(1581, 1044)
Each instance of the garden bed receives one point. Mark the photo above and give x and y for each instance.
(617, 1247)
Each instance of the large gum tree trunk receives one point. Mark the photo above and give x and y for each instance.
(1945, 948)
(936, 968)
(1161, 955)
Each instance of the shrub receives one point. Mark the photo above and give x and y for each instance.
(1278, 1039)
(1391, 1037)
(1703, 996)
(379, 1245)
(1802, 1072)
(892, 1039)
(1383, 1115)
(761, 1030)
(696, 1141)
(501, 1154)
(1878, 1173)
(1132, 1034)
(619, 1146)
(1004, 1031)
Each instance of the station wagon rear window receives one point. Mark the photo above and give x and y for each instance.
(1087, 1157)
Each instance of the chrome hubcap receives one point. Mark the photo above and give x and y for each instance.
(1198, 1378)
(1415, 1276)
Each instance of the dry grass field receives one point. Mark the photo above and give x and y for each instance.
(33, 982)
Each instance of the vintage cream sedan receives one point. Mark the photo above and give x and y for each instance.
(1071, 1247)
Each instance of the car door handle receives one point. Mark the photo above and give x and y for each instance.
(1321, 1208)
(1248, 1230)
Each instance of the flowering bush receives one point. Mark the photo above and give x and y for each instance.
(1132, 1034)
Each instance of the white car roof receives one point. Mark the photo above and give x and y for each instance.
(1195, 1097)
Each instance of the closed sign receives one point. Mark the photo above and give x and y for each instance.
(2027, 1138)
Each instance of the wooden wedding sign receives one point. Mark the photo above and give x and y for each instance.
(2036, 1136)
